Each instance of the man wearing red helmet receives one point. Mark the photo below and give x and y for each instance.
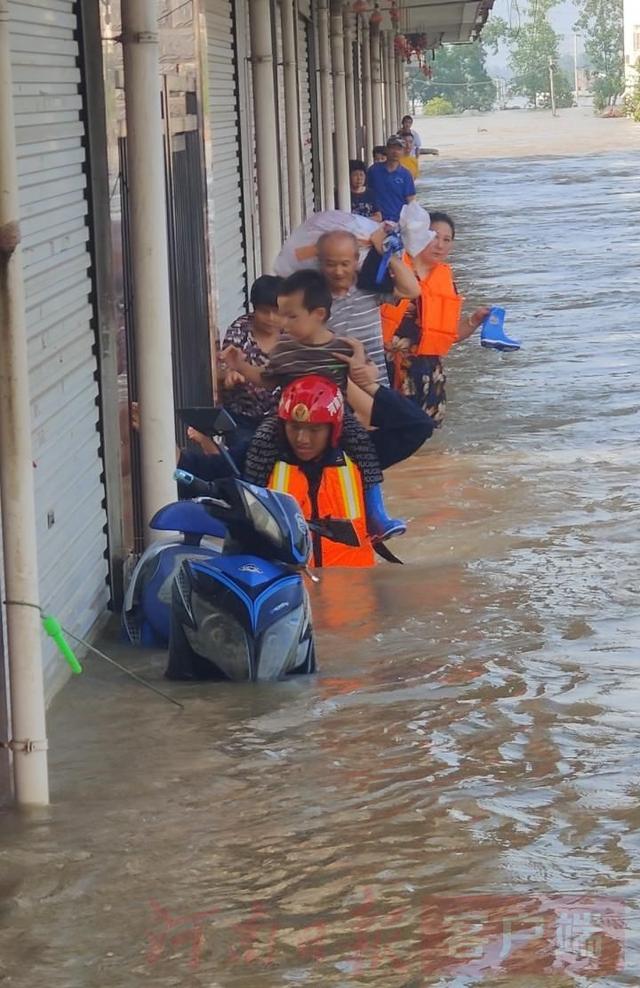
(310, 462)
(313, 469)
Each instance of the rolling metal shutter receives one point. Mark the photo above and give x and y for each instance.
(224, 171)
(71, 518)
(304, 88)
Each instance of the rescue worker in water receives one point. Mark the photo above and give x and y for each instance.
(310, 464)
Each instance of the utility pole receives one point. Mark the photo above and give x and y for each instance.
(575, 64)
(552, 87)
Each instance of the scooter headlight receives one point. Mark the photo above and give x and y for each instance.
(263, 520)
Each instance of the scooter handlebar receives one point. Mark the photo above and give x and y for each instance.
(200, 488)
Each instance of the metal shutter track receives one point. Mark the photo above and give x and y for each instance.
(305, 116)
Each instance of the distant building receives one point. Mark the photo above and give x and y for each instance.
(631, 40)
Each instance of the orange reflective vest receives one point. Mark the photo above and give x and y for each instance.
(440, 310)
(340, 495)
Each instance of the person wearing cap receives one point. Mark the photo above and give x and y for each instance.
(391, 184)
(407, 131)
(311, 463)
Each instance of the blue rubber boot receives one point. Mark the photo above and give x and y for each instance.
(379, 525)
(493, 335)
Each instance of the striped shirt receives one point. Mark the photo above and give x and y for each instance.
(357, 314)
(291, 359)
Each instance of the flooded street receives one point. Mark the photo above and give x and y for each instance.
(455, 799)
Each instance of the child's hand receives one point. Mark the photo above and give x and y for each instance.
(361, 372)
(233, 357)
(364, 375)
(232, 379)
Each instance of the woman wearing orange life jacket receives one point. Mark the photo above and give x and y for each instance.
(417, 335)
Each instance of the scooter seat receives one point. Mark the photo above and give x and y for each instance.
(189, 517)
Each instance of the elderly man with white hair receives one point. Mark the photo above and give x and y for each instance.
(355, 312)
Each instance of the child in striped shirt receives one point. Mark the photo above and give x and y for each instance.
(309, 347)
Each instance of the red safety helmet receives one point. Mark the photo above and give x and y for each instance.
(313, 399)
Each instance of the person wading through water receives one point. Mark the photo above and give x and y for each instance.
(419, 334)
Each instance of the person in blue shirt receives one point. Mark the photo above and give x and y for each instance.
(391, 184)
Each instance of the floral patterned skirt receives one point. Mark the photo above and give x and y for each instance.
(421, 378)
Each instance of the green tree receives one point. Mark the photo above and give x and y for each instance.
(601, 25)
(533, 44)
(438, 107)
(459, 76)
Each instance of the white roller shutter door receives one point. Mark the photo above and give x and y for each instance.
(70, 513)
(308, 188)
(224, 172)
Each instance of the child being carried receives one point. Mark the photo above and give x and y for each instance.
(309, 347)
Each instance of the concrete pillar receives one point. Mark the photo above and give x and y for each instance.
(26, 689)
(367, 93)
(376, 85)
(292, 111)
(389, 100)
(340, 107)
(267, 150)
(326, 101)
(352, 129)
(149, 253)
(399, 64)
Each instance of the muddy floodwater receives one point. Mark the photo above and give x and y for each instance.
(454, 799)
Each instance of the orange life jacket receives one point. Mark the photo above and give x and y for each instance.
(440, 308)
(340, 495)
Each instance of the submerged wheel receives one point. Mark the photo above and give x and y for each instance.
(181, 655)
(311, 657)
(184, 663)
(308, 665)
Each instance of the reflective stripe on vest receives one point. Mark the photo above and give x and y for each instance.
(340, 495)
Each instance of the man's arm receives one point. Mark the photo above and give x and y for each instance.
(399, 426)
(410, 187)
(210, 466)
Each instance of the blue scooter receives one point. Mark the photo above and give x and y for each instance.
(238, 611)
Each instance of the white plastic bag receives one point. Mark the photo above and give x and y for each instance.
(414, 228)
(300, 249)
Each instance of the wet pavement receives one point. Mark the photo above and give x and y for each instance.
(453, 800)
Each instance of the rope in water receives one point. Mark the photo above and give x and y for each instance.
(57, 631)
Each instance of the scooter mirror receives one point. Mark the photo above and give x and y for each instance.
(210, 421)
(337, 529)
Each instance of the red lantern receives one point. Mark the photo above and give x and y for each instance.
(376, 17)
(394, 13)
(359, 7)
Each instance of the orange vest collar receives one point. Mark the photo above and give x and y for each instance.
(340, 495)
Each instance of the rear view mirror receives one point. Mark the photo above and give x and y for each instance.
(336, 529)
(210, 421)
